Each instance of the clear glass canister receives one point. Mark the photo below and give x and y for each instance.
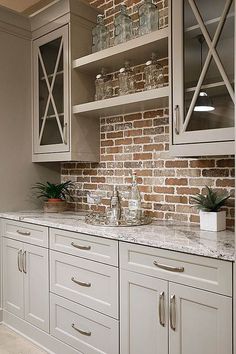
(148, 17)
(103, 86)
(100, 35)
(123, 26)
(126, 80)
(153, 73)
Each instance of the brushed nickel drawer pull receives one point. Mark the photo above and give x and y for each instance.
(170, 268)
(88, 285)
(85, 333)
(85, 248)
(176, 120)
(24, 233)
(24, 262)
(162, 309)
(19, 260)
(172, 313)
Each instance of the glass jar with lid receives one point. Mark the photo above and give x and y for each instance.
(103, 86)
(148, 17)
(153, 73)
(123, 26)
(126, 80)
(100, 35)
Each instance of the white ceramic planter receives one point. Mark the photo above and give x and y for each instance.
(213, 221)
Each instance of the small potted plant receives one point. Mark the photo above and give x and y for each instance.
(212, 218)
(54, 195)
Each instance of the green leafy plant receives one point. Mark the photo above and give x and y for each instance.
(211, 202)
(54, 191)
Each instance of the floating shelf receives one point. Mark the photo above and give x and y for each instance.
(135, 102)
(137, 51)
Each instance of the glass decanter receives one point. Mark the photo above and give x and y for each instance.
(153, 73)
(148, 17)
(126, 80)
(100, 35)
(123, 26)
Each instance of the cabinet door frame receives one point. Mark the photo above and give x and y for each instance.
(16, 309)
(154, 284)
(189, 139)
(43, 287)
(65, 146)
(223, 306)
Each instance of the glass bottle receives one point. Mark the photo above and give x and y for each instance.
(100, 35)
(153, 73)
(115, 210)
(134, 204)
(148, 17)
(126, 80)
(103, 86)
(123, 26)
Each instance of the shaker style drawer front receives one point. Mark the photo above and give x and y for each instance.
(196, 271)
(89, 283)
(86, 330)
(91, 247)
(25, 232)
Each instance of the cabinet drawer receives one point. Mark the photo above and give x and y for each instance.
(86, 330)
(25, 232)
(200, 272)
(89, 283)
(91, 247)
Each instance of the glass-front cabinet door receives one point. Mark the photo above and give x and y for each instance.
(203, 54)
(51, 92)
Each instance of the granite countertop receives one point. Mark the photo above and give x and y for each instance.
(170, 235)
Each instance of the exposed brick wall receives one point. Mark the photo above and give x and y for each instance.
(139, 142)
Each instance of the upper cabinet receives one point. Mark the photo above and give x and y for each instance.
(202, 64)
(61, 33)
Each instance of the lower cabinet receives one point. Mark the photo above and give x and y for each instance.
(157, 315)
(143, 316)
(88, 331)
(26, 282)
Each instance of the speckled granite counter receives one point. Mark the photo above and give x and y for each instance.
(161, 234)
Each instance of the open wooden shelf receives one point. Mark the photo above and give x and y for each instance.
(137, 51)
(135, 102)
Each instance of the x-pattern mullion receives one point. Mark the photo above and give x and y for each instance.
(211, 53)
(50, 92)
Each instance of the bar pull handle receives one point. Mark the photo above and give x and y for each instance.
(170, 268)
(85, 333)
(19, 260)
(85, 248)
(81, 283)
(172, 313)
(65, 133)
(176, 119)
(24, 262)
(162, 309)
(24, 233)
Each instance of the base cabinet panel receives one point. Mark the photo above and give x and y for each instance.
(88, 331)
(144, 316)
(36, 287)
(202, 321)
(13, 287)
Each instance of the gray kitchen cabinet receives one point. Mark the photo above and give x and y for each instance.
(60, 34)
(202, 70)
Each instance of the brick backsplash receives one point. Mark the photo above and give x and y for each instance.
(140, 142)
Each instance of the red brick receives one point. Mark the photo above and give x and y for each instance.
(132, 117)
(153, 147)
(165, 190)
(115, 135)
(126, 141)
(142, 140)
(136, 132)
(187, 190)
(107, 143)
(143, 156)
(176, 181)
(225, 183)
(143, 124)
(176, 163)
(202, 163)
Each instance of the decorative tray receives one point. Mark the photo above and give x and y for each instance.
(101, 220)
